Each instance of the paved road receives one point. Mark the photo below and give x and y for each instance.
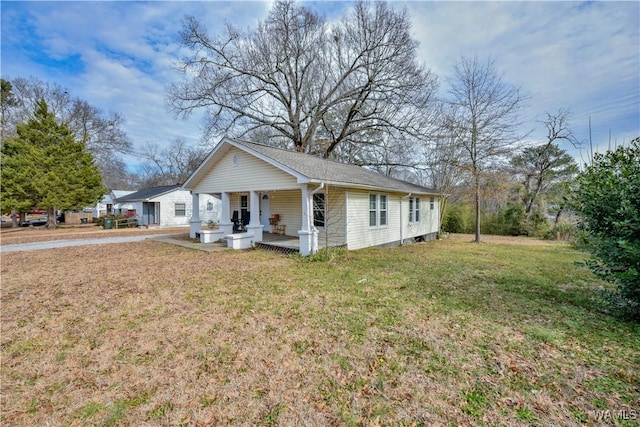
(52, 244)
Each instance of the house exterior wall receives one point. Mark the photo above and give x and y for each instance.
(287, 204)
(335, 218)
(207, 215)
(248, 173)
(167, 202)
(361, 235)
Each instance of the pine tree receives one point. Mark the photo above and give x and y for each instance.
(43, 167)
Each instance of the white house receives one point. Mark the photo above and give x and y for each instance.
(105, 205)
(167, 206)
(312, 200)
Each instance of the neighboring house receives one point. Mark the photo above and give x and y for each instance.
(315, 200)
(166, 206)
(105, 205)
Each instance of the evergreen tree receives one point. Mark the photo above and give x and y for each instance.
(43, 167)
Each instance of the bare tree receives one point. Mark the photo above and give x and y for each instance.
(483, 117)
(443, 165)
(306, 80)
(171, 165)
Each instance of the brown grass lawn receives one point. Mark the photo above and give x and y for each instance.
(441, 333)
(10, 236)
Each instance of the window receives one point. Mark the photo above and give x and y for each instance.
(432, 203)
(318, 209)
(244, 201)
(209, 206)
(377, 210)
(414, 209)
(180, 209)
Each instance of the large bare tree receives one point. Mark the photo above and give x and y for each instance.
(483, 118)
(299, 77)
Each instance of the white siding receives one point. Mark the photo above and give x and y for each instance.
(287, 204)
(250, 173)
(360, 235)
(209, 215)
(167, 208)
(335, 218)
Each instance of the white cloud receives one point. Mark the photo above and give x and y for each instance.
(582, 56)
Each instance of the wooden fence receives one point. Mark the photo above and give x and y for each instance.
(73, 218)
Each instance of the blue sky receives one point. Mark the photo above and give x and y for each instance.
(582, 56)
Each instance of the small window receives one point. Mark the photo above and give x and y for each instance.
(414, 209)
(383, 210)
(432, 203)
(209, 206)
(373, 210)
(318, 209)
(378, 213)
(180, 209)
(244, 201)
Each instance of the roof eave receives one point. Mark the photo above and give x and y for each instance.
(372, 187)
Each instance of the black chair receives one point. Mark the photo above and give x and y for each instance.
(246, 217)
(237, 223)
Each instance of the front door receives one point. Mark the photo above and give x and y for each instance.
(149, 213)
(265, 213)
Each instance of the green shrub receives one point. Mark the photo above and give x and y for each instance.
(607, 199)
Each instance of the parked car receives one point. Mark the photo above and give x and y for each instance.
(36, 222)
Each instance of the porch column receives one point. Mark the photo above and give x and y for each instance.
(254, 226)
(308, 235)
(195, 224)
(226, 226)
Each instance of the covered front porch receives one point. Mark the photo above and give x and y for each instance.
(281, 219)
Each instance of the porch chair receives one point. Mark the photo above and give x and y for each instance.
(238, 227)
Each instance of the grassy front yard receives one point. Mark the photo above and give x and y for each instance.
(438, 333)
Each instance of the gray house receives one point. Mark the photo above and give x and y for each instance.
(310, 200)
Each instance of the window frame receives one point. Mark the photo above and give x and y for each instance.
(176, 211)
(378, 210)
(414, 210)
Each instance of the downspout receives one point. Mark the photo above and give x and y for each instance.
(401, 216)
(314, 243)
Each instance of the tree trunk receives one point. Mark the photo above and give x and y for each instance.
(15, 219)
(477, 191)
(51, 217)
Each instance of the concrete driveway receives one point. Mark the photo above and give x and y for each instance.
(52, 244)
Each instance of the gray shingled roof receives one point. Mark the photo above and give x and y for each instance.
(322, 170)
(148, 193)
